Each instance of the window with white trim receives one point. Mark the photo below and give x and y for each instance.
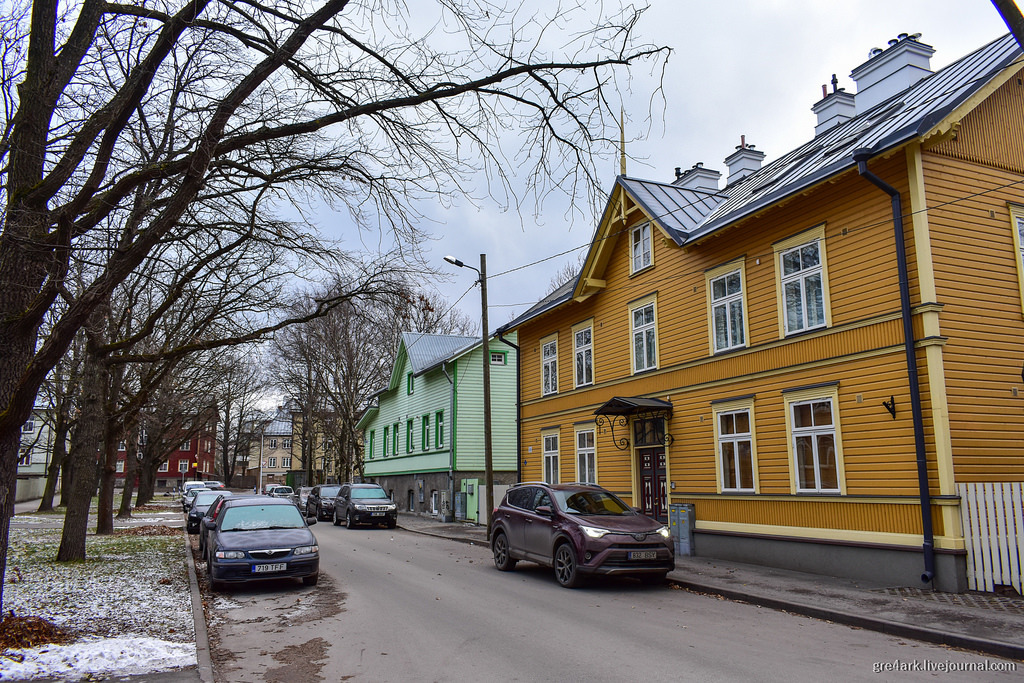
(272, 443)
(186, 446)
(551, 457)
(814, 446)
(29, 426)
(645, 356)
(727, 311)
(549, 367)
(286, 443)
(586, 457)
(286, 462)
(163, 467)
(387, 434)
(803, 290)
(271, 462)
(640, 247)
(183, 465)
(425, 432)
(439, 429)
(583, 342)
(120, 466)
(25, 457)
(735, 450)
(1017, 225)
(369, 444)
(497, 358)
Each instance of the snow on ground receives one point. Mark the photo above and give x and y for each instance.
(129, 603)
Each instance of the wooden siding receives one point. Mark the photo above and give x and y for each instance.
(977, 280)
(469, 417)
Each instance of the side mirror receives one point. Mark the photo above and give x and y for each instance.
(543, 510)
(310, 521)
(210, 524)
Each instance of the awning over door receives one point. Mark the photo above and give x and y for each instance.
(635, 405)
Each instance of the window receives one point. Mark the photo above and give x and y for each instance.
(183, 465)
(120, 466)
(549, 367)
(728, 329)
(369, 444)
(186, 446)
(802, 281)
(29, 426)
(121, 446)
(286, 443)
(497, 358)
(25, 457)
(1017, 222)
(394, 441)
(408, 383)
(586, 460)
(551, 457)
(735, 450)
(640, 241)
(271, 462)
(384, 451)
(583, 344)
(286, 462)
(425, 432)
(163, 467)
(272, 443)
(645, 356)
(816, 458)
(439, 429)
(408, 436)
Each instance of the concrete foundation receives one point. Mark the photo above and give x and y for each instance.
(423, 493)
(886, 565)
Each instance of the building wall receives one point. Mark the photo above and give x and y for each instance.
(469, 430)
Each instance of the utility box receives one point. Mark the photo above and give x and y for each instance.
(460, 505)
(681, 519)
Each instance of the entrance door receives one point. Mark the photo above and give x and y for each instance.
(653, 493)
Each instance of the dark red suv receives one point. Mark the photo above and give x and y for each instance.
(580, 530)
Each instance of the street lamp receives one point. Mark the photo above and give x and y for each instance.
(485, 352)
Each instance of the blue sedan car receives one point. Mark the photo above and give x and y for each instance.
(254, 539)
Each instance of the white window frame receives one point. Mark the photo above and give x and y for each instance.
(186, 446)
(29, 426)
(782, 249)
(286, 443)
(272, 462)
(1017, 228)
(583, 354)
(497, 358)
(183, 465)
(120, 466)
(549, 366)
(641, 252)
(734, 408)
(272, 443)
(25, 457)
(286, 462)
(648, 333)
(736, 332)
(586, 455)
(164, 467)
(549, 447)
(795, 400)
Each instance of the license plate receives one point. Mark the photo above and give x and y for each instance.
(377, 514)
(263, 568)
(643, 555)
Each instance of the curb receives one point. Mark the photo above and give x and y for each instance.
(893, 628)
(459, 539)
(203, 659)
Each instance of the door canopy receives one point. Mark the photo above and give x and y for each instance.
(648, 416)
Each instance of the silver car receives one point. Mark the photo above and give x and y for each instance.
(285, 492)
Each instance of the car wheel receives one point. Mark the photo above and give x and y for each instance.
(565, 566)
(392, 525)
(349, 524)
(310, 580)
(502, 559)
(337, 522)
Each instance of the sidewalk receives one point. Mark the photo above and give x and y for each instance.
(975, 621)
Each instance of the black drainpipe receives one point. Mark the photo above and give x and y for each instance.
(861, 156)
(519, 403)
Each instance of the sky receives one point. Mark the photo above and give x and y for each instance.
(748, 68)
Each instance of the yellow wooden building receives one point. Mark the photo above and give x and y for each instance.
(743, 346)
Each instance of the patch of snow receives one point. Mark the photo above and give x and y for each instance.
(124, 656)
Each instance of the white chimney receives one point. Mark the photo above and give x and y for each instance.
(744, 161)
(890, 71)
(698, 178)
(833, 108)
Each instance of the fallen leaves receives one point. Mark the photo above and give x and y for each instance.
(148, 530)
(29, 631)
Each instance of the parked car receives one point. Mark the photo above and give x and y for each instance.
(214, 485)
(186, 500)
(257, 538)
(303, 494)
(321, 501)
(285, 492)
(579, 530)
(201, 502)
(364, 504)
(211, 513)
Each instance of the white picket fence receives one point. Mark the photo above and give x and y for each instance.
(993, 518)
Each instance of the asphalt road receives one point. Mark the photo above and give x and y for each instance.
(397, 606)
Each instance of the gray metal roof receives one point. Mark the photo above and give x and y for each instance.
(281, 425)
(677, 210)
(425, 351)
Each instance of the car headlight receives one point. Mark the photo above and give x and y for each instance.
(307, 550)
(664, 531)
(229, 554)
(593, 531)
(392, 507)
(360, 507)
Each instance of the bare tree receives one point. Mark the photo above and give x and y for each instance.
(238, 392)
(377, 113)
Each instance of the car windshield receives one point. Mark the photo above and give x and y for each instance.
(192, 493)
(369, 493)
(205, 498)
(282, 490)
(255, 517)
(329, 491)
(591, 502)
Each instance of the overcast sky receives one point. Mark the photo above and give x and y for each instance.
(738, 67)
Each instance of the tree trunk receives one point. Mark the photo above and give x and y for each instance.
(84, 446)
(147, 481)
(131, 472)
(108, 477)
(66, 477)
(57, 460)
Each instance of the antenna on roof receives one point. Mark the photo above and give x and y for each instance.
(622, 140)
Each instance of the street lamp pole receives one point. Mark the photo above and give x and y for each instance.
(485, 352)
